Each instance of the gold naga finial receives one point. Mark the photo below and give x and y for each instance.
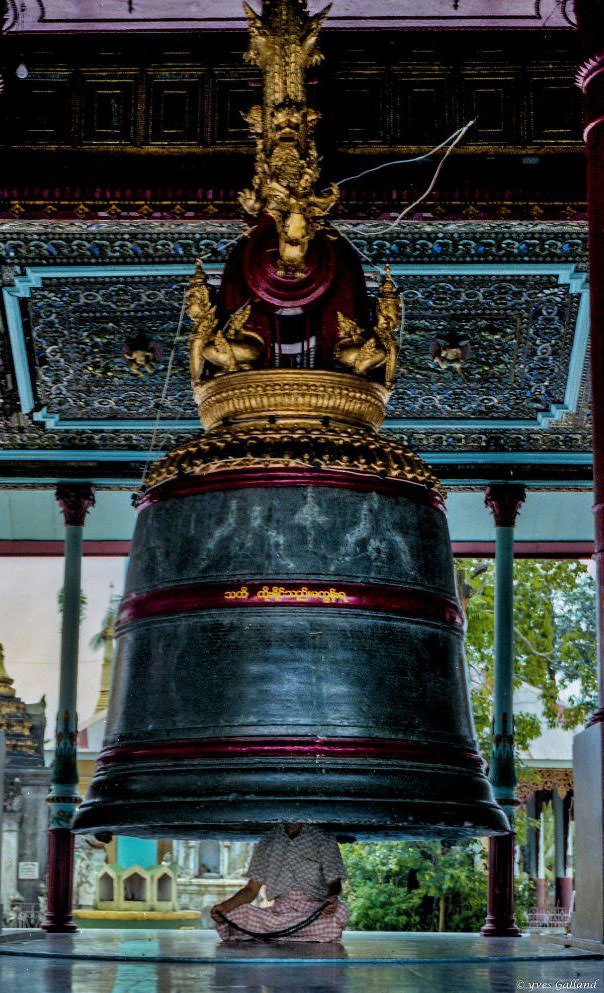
(202, 312)
(236, 348)
(363, 351)
(283, 44)
(389, 315)
(233, 348)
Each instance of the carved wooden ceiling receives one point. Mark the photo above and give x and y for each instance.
(156, 129)
(74, 293)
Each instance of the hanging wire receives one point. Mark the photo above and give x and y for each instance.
(427, 193)
(417, 158)
(166, 385)
(384, 227)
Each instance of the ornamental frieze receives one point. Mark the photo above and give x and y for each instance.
(547, 779)
(138, 242)
(521, 331)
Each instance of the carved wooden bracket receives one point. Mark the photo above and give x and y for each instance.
(75, 500)
(505, 500)
(560, 780)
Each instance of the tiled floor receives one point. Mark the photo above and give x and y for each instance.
(194, 962)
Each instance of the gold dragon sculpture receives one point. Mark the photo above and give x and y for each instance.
(283, 44)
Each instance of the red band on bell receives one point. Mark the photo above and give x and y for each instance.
(239, 479)
(279, 593)
(290, 747)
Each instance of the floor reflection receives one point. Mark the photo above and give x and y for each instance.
(61, 976)
(300, 950)
(173, 962)
(306, 968)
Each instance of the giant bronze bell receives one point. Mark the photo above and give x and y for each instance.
(290, 646)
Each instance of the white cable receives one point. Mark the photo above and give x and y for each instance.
(166, 384)
(417, 158)
(419, 200)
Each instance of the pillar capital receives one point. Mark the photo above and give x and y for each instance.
(505, 500)
(75, 500)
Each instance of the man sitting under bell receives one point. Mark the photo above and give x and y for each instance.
(301, 868)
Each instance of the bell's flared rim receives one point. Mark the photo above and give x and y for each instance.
(247, 820)
(417, 790)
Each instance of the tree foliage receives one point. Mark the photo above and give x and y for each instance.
(419, 886)
(555, 641)
(61, 603)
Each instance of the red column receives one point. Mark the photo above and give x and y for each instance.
(591, 81)
(59, 882)
(500, 922)
(588, 746)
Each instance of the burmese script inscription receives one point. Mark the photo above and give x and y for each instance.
(279, 594)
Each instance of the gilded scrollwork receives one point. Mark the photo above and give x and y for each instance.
(548, 779)
(484, 242)
(295, 396)
(344, 448)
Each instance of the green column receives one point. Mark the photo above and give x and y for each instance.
(64, 772)
(502, 772)
(75, 500)
(505, 501)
